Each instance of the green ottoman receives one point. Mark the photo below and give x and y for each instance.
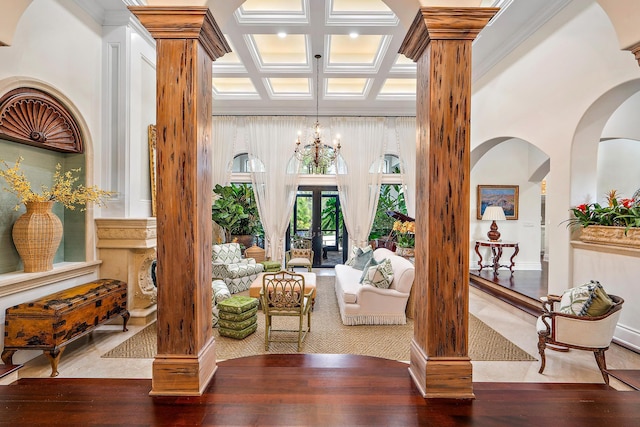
(271, 266)
(238, 326)
(237, 304)
(238, 316)
(232, 333)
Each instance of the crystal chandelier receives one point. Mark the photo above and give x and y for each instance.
(316, 156)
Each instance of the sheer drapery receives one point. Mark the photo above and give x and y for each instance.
(406, 137)
(274, 175)
(225, 129)
(359, 172)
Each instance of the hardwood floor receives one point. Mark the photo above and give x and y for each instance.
(331, 390)
(311, 390)
(631, 377)
(522, 289)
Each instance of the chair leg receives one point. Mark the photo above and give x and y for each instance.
(300, 332)
(602, 363)
(541, 347)
(267, 328)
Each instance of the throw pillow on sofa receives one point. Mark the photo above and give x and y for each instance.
(372, 262)
(361, 257)
(380, 275)
(589, 299)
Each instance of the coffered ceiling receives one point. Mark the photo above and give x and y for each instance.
(273, 68)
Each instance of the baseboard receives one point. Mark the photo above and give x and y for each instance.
(627, 337)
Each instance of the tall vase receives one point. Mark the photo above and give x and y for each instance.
(36, 235)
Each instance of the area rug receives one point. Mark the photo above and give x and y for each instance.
(328, 335)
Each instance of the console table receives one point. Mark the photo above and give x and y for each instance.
(496, 254)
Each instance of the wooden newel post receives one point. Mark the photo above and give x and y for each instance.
(439, 40)
(188, 40)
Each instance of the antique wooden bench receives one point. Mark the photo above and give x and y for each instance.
(53, 321)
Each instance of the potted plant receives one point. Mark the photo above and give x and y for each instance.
(405, 232)
(391, 199)
(235, 210)
(616, 223)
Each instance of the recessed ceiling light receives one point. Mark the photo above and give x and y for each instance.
(353, 35)
(282, 34)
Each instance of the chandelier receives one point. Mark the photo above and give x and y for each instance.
(317, 156)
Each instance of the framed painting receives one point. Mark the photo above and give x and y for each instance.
(152, 166)
(505, 196)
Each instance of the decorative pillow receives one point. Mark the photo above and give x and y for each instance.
(355, 252)
(589, 299)
(220, 291)
(300, 253)
(380, 275)
(361, 260)
(372, 262)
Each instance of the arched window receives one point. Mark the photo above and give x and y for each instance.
(391, 164)
(240, 163)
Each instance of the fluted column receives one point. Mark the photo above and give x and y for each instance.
(439, 40)
(187, 41)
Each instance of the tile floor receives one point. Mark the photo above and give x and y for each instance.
(82, 358)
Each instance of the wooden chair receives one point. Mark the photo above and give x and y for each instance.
(560, 331)
(284, 294)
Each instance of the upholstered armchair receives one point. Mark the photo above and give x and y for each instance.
(228, 265)
(561, 330)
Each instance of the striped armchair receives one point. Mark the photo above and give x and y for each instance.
(228, 265)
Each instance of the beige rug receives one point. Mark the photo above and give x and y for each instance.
(329, 335)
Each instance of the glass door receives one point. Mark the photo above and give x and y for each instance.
(317, 217)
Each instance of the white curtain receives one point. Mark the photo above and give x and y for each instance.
(224, 139)
(359, 172)
(274, 174)
(406, 135)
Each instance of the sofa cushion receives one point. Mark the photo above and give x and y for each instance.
(227, 253)
(589, 299)
(348, 276)
(380, 275)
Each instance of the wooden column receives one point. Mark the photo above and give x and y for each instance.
(439, 40)
(188, 39)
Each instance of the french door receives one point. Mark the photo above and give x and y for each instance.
(317, 217)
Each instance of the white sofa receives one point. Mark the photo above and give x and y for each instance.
(368, 305)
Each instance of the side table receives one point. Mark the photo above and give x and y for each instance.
(496, 254)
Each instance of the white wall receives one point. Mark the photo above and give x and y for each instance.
(540, 92)
(508, 164)
(56, 46)
(618, 168)
(617, 270)
(130, 107)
